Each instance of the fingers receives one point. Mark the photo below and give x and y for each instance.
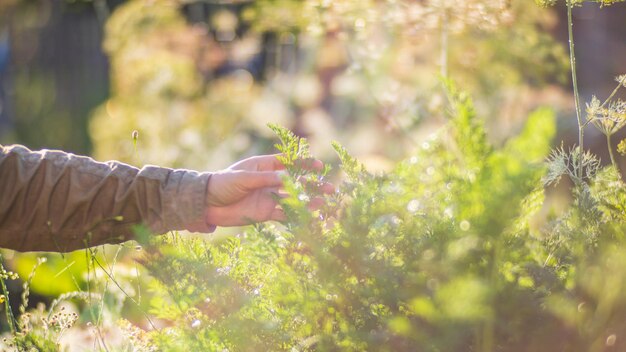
(316, 203)
(259, 163)
(318, 187)
(273, 179)
(323, 187)
(260, 179)
(272, 160)
(310, 164)
(327, 188)
(278, 215)
(272, 163)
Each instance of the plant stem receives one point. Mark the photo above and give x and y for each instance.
(572, 57)
(608, 144)
(611, 96)
(7, 305)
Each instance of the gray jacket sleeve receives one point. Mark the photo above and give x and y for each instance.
(55, 201)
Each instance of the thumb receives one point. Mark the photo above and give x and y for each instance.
(261, 179)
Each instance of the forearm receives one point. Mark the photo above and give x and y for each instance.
(50, 200)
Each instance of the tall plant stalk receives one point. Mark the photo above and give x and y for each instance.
(608, 142)
(572, 57)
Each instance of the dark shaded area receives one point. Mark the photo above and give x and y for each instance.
(56, 74)
(600, 47)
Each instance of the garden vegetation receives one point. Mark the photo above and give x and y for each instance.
(452, 249)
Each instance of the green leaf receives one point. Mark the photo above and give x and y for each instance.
(469, 133)
(350, 165)
(292, 149)
(531, 205)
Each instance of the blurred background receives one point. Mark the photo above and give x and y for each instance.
(200, 80)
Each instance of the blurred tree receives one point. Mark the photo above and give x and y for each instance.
(320, 67)
(56, 74)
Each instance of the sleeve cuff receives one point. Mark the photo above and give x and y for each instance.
(185, 201)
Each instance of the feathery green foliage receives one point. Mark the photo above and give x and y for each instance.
(441, 254)
(421, 258)
(452, 250)
(350, 165)
(292, 149)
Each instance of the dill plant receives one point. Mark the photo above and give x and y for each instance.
(447, 252)
(441, 254)
(570, 5)
(423, 258)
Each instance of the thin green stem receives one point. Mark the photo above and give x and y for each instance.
(124, 292)
(608, 144)
(7, 305)
(590, 121)
(572, 57)
(611, 96)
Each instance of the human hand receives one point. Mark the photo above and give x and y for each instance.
(246, 192)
